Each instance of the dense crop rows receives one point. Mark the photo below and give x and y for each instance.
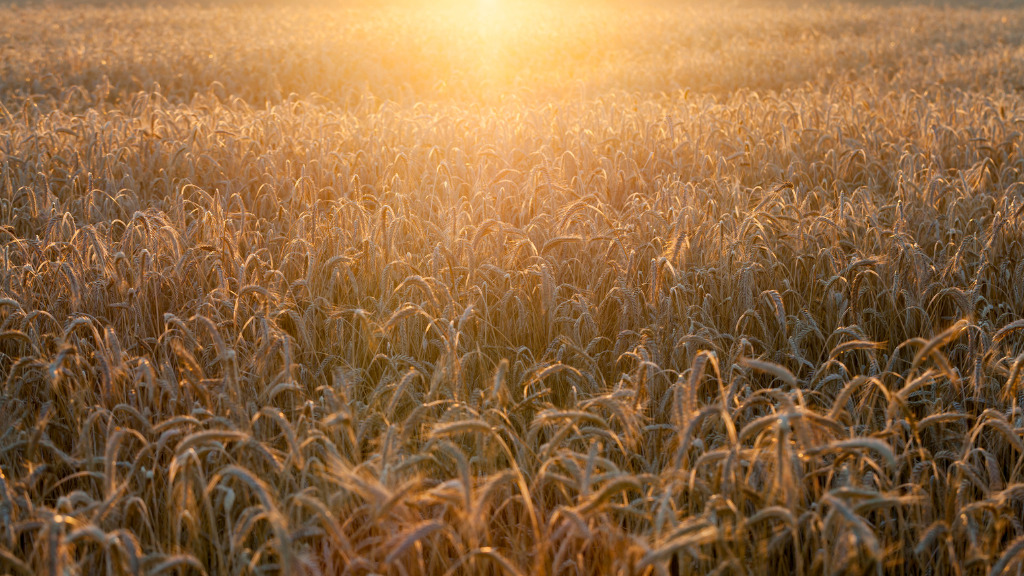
(606, 290)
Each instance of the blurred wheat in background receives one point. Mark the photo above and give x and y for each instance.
(512, 289)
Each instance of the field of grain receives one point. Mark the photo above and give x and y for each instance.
(508, 288)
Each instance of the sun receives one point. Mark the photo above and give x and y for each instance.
(490, 12)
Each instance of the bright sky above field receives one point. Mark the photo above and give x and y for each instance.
(489, 50)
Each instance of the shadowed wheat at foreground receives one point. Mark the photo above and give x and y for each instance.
(510, 289)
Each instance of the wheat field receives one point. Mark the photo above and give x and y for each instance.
(511, 288)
